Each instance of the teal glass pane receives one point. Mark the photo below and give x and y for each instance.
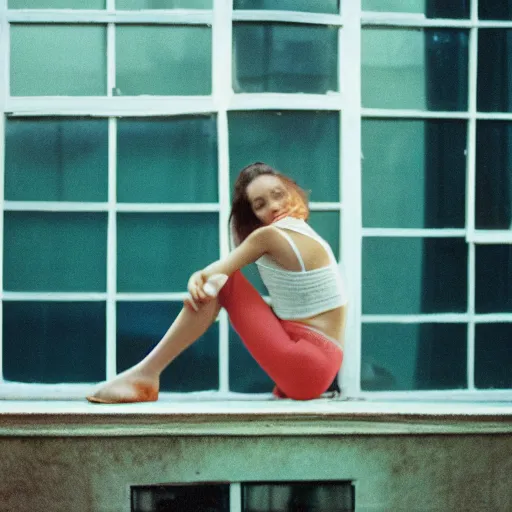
(167, 160)
(74, 63)
(252, 274)
(157, 252)
(493, 185)
(325, 6)
(56, 4)
(429, 8)
(403, 357)
(56, 159)
(287, 58)
(327, 225)
(414, 275)
(495, 9)
(493, 356)
(163, 60)
(163, 4)
(55, 252)
(414, 173)
(494, 79)
(423, 69)
(302, 145)
(54, 342)
(493, 278)
(140, 325)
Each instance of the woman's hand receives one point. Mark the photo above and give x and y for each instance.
(195, 287)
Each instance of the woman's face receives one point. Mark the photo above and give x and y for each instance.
(269, 198)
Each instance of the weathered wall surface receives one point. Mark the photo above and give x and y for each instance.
(391, 473)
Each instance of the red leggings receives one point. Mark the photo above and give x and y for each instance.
(302, 362)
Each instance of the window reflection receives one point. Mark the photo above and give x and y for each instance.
(152, 60)
(178, 155)
(495, 9)
(414, 173)
(493, 356)
(74, 63)
(325, 6)
(284, 58)
(493, 175)
(54, 342)
(400, 357)
(414, 275)
(140, 325)
(493, 276)
(277, 138)
(59, 159)
(430, 8)
(415, 69)
(494, 85)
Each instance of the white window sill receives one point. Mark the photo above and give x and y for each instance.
(179, 415)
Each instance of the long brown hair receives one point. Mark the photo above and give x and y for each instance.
(242, 219)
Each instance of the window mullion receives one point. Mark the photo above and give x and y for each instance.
(350, 85)
(4, 92)
(111, 251)
(470, 192)
(235, 497)
(222, 93)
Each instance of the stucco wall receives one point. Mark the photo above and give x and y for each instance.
(391, 473)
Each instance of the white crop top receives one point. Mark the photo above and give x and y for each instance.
(305, 293)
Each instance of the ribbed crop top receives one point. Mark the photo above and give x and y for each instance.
(305, 293)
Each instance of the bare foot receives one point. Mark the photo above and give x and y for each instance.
(128, 387)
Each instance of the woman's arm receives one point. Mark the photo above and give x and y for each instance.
(258, 243)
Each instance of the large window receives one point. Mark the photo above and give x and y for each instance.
(125, 123)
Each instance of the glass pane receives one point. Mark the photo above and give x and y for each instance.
(140, 325)
(56, 159)
(413, 356)
(178, 156)
(180, 498)
(53, 342)
(163, 60)
(55, 252)
(414, 275)
(74, 63)
(56, 4)
(252, 274)
(493, 278)
(157, 252)
(423, 69)
(493, 175)
(298, 496)
(495, 9)
(327, 225)
(245, 374)
(327, 6)
(493, 356)
(275, 57)
(277, 138)
(430, 8)
(494, 84)
(163, 4)
(414, 173)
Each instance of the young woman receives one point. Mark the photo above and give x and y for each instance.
(299, 343)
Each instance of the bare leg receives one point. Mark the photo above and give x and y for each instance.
(141, 382)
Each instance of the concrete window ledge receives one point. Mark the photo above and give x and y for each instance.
(208, 417)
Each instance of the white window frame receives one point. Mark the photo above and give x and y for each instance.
(223, 100)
